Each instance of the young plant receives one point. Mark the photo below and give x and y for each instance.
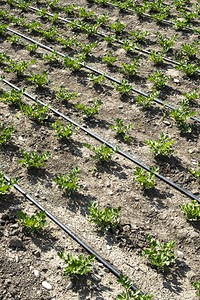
(6, 134)
(20, 68)
(69, 181)
(122, 129)
(51, 58)
(14, 97)
(33, 224)
(33, 160)
(4, 57)
(64, 132)
(117, 27)
(97, 79)
(132, 68)
(191, 210)
(191, 97)
(86, 49)
(74, 63)
(189, 50)
(128, 294)
(36, 112)
(109, 59)
(123, 87)
(162, 147)
(39, 79)
(64, 95)
(107, 218)
(5, 185)
(49, 34)
(166, 43)
(188, 68)
(196, 173)
(159, 79)
(146, 178)
(32, 48)
(156, 57)
(75, 266)
(90, 111)
(159, 255)
(102, 154)
(146, 101)
(197, 287)
(138, 35)
(13, 39)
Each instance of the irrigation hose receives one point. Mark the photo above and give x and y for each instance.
(70, 233)
(124, 154)
(97, 71)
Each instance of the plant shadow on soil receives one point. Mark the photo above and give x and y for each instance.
(111, 167)
(78, 201)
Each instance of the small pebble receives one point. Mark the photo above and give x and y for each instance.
(21, 138)
(69, 286)
(46, 285)
(17, 258)
(36, 273)
(180, 254)
(108, 247)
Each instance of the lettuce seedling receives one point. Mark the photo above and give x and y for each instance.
(33, 160)
(33, 224)
(191, 210)
(162, 147)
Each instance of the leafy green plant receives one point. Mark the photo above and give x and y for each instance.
(64, 132)
(52, 58)
(146, 101)
(189, 50)
(196, 173)
(39, 79)
(109, 58)
(69, 181)
(86, 49)
(20, 68)
(191, 210)
(75, 266)
(156, 57)
(138, 35)
(34, 27)
(180, 115)
(49, 34)
(53, 3)
(197, 287)
(102, 19)
(191, 97)
(70, 42)
(31, 48)
(102, 154)
(159, 79)
(90, 111)
(159, 255)
(122, 129)
(131, 69)
(97, 79)
(107, 218)
(36, 112)
(146, 178)
(188, 68)
(23, 5)
(64, 95)
(75, 63)
(33, 224)
(33, 160)
(123, 87)
(166, 43)
(4, 57)
(162, 147)
(128, 294)
(13, 39)
(117, 27)
(5, 185)
(14, 97)
(6, 134)
(3, 28)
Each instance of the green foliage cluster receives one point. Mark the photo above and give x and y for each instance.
(39, 79)
(97, 79)
(75, 266)
(33, 160)
(159, 255)
(196, 173)
(146, 178)
(197, 287)
(33, 224)
(109, 59)
(36, 112)
(131, 69)
(5, 185)
(122, 129)
(166, 43)
(102, 154)
(64, 95)
(162, 147)
(146, 101)
(6, 134)
(123, 87)
(90, 111)
(19, 68)
(13, 97)
(69, 182)
(159, 79)
(107, 218)
(64, 132)
(192, 210)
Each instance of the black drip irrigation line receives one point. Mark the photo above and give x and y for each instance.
(71, 234)
(116, 40)
(97, 71)
(122, 153)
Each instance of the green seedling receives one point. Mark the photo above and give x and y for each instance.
(36, 112)
(70, 42)
(3, 29)
(33, 160)
(5, 185)
(146, 178)
(69, 182)
(159, 255)
(129, 47)
(191, 97)
(87, 15)
(166, 43)
(180, 23)
(53, 4)
(138, 35)
(131, 69)
(140, 10)
(109, 59)
(196, 173)
(107, 218)
(21, 67)
(51, 58)
(181, 115)
(14, 97)
(64, 132)
(102, 20)
(23, 5)
(189, 50)
(4, 57)
(70, 9)
(86, 49)
(156, 57)
(191, 210)
(146, 101)
(14, 39)
(123, 87)
(159, 79)
(188, 68)
(40, 79)
(162, 147)
(90, 111)
(55, 18)
(180, 3)
(42, 13)
(123, 6)
(33, 224)
(75, 266)
(32, 48)
(128, 294)
(64, 95)
(34, 27)
(102, 154)
(122, 129)
(49, 34)
(75, 64)
(110, 39)
(197, 287)
(117, 27)
(97, 79)
(6, 134)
